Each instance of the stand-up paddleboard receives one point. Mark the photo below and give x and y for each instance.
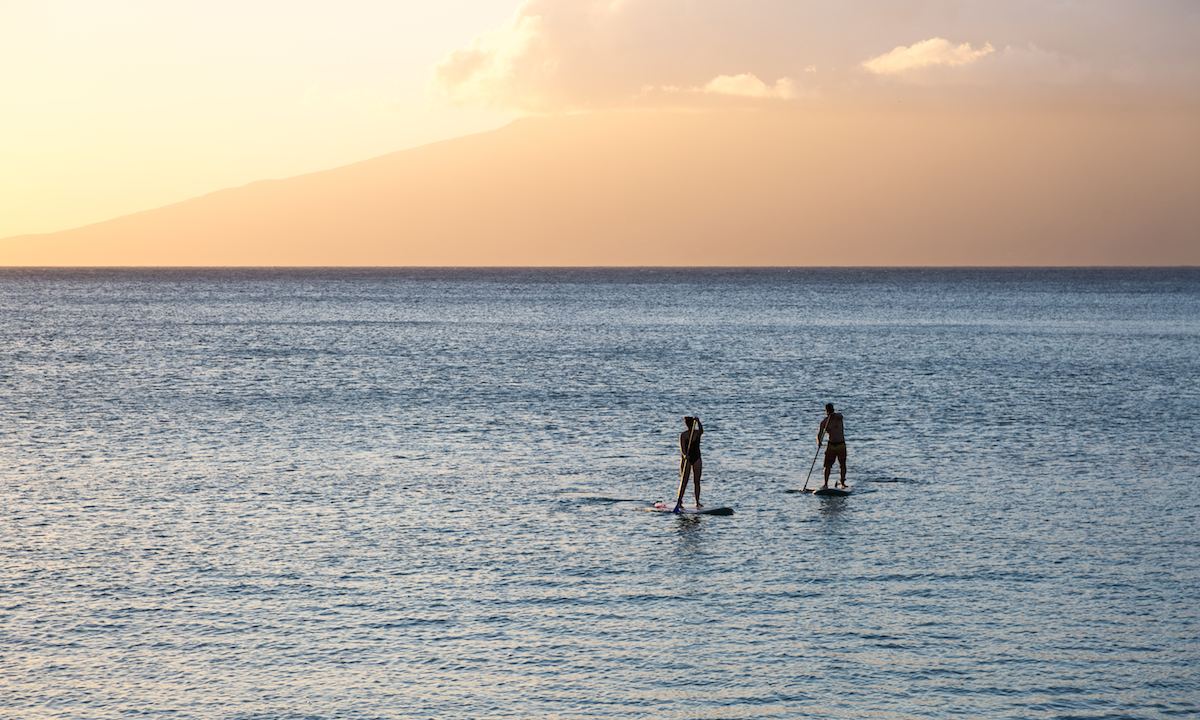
(666, 507)
(831, 492)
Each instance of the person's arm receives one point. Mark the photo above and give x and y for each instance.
(699, 427)
(821, 431)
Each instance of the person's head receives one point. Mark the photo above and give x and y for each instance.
(829, 408)
(688, 420)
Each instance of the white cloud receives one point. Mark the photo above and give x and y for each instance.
(587, 54)
(927, 53)
(494, 68)
(747, 85)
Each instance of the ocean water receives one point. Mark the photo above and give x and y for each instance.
(417, 494)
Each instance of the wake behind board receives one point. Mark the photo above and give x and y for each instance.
(831, 492)
(661, 506)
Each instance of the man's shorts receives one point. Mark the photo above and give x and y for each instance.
(835, 451)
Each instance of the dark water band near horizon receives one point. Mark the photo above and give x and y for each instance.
(414, 493)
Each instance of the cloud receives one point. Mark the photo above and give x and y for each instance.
(748, 85)
(495, 68)
(556, 55)
(932, 52)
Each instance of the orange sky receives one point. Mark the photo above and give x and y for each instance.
(717, 187)
(759, 132)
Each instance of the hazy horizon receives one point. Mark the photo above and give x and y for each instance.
(97, 135)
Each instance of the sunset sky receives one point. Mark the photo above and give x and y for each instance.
(113, 107)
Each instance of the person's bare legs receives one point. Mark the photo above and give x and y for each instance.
(697, 468)
(827, 469)
(685, 471)
(693, 470)
(842, 471)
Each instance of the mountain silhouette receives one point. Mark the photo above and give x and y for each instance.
(730, 187)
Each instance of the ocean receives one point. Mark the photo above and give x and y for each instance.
(419, 493)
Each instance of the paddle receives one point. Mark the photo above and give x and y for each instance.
(683, 466)
(814, 464)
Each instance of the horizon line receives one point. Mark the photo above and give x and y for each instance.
(598, 267)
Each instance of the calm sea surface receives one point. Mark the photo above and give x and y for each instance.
(415, 494)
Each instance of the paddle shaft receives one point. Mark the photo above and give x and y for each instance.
(685, 464)
(814, 465)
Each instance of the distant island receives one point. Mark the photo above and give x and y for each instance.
(734, 188)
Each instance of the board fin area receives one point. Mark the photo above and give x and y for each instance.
(665, 507)
(831, 492)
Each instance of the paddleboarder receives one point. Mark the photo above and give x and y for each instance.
(689, 461)
(836, 449)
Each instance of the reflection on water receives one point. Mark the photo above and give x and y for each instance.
(689, 531)
(835, 509)
(415, 493)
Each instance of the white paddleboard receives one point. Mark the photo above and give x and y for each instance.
(831, 492)
(666, 507)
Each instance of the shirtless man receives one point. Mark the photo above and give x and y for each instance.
(836, 449)
(689, 461)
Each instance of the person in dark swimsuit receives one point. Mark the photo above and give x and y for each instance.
(689, 460)
(836, 449)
